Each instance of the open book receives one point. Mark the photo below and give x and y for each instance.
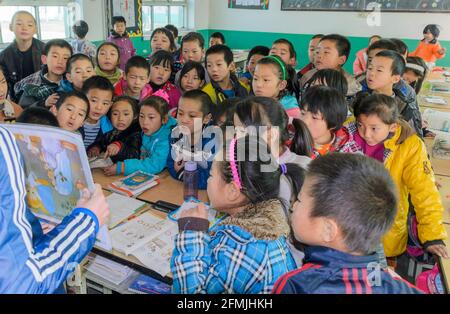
(56, 171)
(438, 121)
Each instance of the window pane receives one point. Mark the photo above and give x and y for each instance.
(146, 19)
(6, 35)
(177, 16)
(52, 21)
(161, 16)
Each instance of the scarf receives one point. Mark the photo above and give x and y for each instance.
(113, 78)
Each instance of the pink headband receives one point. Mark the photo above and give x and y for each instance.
(162, 94)
(234, 170)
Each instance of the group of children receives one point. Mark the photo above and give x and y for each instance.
(323, 208)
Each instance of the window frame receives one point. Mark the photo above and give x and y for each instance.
(168, 4)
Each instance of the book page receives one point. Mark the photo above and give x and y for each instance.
(437, 120)
(121, 207)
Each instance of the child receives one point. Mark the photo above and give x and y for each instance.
(23, 56)
(9, 111)
(324, 110)
(124, 141)
(162, 39)
(248, 250)
(119, 36)
(134, 84)
(256, 54)
(271, 80)
(80, 44)
(415, 73)
(402, 48)
(360, 64)
(382, 135)
(224, 84)
(71, 110)
(35, 88)
(332, 53)
(284, 49)
(341, 230)
(223, 113)
(161, 66)
(429, 48)
(192, 49)
(79, 68)
(193, 115)
(99, 92)
(384, 71)
(38, 115)
(330, 78)
(174, 30)
(108, 60)
(192, 76)
(216, 38)
(311, 52)
(156, 127)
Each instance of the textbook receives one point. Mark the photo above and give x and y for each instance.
(134, 184)
(122, 208)
(56, 171)
(147, 285)
(441, 88)
(438, 121)
(435, 100)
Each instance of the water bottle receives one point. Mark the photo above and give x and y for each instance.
(190, 180)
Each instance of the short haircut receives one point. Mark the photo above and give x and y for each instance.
(384, 107)
(64, 96)
(292, 51)
(374, 36)
(168, 34)
(366, 211)
(192, 65)
(342, 43)
(223, 50)
(108, 43)
(402, 48)
(137, 62)
(218, 35)
(38, 115)
(22, 12)
(258, 50)
(317, 36)
(331, 78)
(329, 102)
(159, 104)
(163, 58)
(80, 28)
(61, 43)
(133, 103)
(433, 29)
(76, 57)
(118, 19)
(383, 44)
(97, 82)
(173, 29)
(226, 108)
(398, 63)
(202, 97)
(193, 36)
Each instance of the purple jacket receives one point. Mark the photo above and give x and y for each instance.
(126, 48)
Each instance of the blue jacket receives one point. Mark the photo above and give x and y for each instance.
(29, 264)
(327, 271)
(65, 86)
(154, 151)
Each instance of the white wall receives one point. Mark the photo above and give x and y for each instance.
(94, 13)
(198, 14)
(401, 25)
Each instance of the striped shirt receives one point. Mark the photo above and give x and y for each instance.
(90, 133)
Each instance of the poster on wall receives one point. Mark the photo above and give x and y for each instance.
(249, 4)
(131, 10)
(437, 6)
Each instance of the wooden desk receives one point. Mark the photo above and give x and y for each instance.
(444, 190)
(441, 167)
(444, 265)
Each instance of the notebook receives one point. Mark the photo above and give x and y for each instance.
(135, 184)
(148, 285)
(122, 208)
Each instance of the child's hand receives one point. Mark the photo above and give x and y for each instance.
(112, 150)
(51, 100)
(94, 152)
(110, 171)
(438, 249)
(178, 165)
(197, 212)
(96, 203)
(442, 51)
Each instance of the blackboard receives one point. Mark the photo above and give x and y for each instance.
(438, 6)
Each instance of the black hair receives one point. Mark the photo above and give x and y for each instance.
(193, 36)
(189, 66)
(97, 82)
(108, 43)
(302, 144)
(74, 58)
(163, 58)
(383, 44)
(331, 78)
(202, 97)
(283, 73)
(292, 52)
(80, 28)
(223, 50)
(173, 29)
(433, 29)
(130, 100)
(366, 211)
(159, 104)
(402, 48)
(329, 102)
(137, 62)
(374, 36)
(258, 50)
(251, 154)
(118, 19)
(398, 63)
(342, 43)
(61, 43)
(38, 115)
(226, 109)
(317, 36)
(168, 34)
(218, 35)
(64, 96)
(418, 66)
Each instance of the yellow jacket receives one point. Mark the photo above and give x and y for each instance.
(411, 170)
(217, 96)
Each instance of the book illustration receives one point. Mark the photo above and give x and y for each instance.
(441, 146)
(147, 285)
(135, 183)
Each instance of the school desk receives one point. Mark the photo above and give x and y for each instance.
(423, 104)
(444, 265)
(444, 190)
(441, 167)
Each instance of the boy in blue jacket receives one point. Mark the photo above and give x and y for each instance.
(342, 229)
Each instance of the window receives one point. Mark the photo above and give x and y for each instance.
(157, 14)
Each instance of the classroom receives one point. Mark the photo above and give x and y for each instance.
(224, 147)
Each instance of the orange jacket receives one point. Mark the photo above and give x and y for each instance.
(428, 52)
